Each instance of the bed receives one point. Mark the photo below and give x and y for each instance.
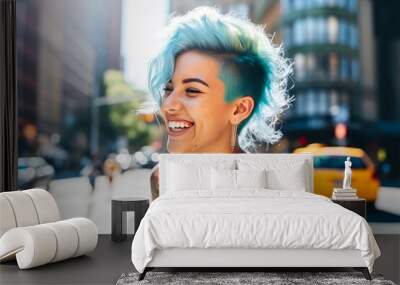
(247, 210)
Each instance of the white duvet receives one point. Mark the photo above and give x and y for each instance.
(253, 218)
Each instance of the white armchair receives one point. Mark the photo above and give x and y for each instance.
(32, 233)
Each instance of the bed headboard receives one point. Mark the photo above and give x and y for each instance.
(297, 165)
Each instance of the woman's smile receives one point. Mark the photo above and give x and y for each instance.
(177, 128)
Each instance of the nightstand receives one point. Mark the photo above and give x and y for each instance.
(119, 207)
(357, 206)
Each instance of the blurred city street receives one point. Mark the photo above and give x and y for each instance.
(75, 196)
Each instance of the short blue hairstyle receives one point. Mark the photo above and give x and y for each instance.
(250, 66)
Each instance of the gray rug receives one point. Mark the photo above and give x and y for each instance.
(228, 278)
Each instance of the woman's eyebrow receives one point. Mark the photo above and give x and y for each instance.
(187, 80)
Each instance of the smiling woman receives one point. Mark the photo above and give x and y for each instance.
(219, 83)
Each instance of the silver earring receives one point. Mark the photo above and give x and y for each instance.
(233, 137)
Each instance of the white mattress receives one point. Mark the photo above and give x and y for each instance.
(256, 218)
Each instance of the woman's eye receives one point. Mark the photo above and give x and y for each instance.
(193, 91)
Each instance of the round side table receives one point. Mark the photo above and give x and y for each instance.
(119, 207)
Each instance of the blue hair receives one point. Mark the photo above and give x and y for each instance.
(250, 66)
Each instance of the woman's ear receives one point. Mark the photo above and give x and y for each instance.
(242, 108)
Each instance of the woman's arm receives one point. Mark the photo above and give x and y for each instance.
(154, 182)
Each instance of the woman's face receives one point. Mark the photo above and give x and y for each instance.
(193, 108)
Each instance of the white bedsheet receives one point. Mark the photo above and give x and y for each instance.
(253, 218)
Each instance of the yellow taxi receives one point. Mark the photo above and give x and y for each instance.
(329, 170)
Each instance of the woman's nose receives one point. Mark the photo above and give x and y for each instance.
(172, 102)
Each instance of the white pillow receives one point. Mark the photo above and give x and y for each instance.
(227, 179)
(223, 179)
(282, 174)
(251, 178)
(181, 177)
(279, 180)
(187, 173)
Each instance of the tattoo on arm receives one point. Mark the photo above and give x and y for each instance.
(155, 191)
(154, 185)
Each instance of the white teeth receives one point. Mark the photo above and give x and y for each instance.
(178, 124)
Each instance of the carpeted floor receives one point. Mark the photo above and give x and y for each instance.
(228, 278)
